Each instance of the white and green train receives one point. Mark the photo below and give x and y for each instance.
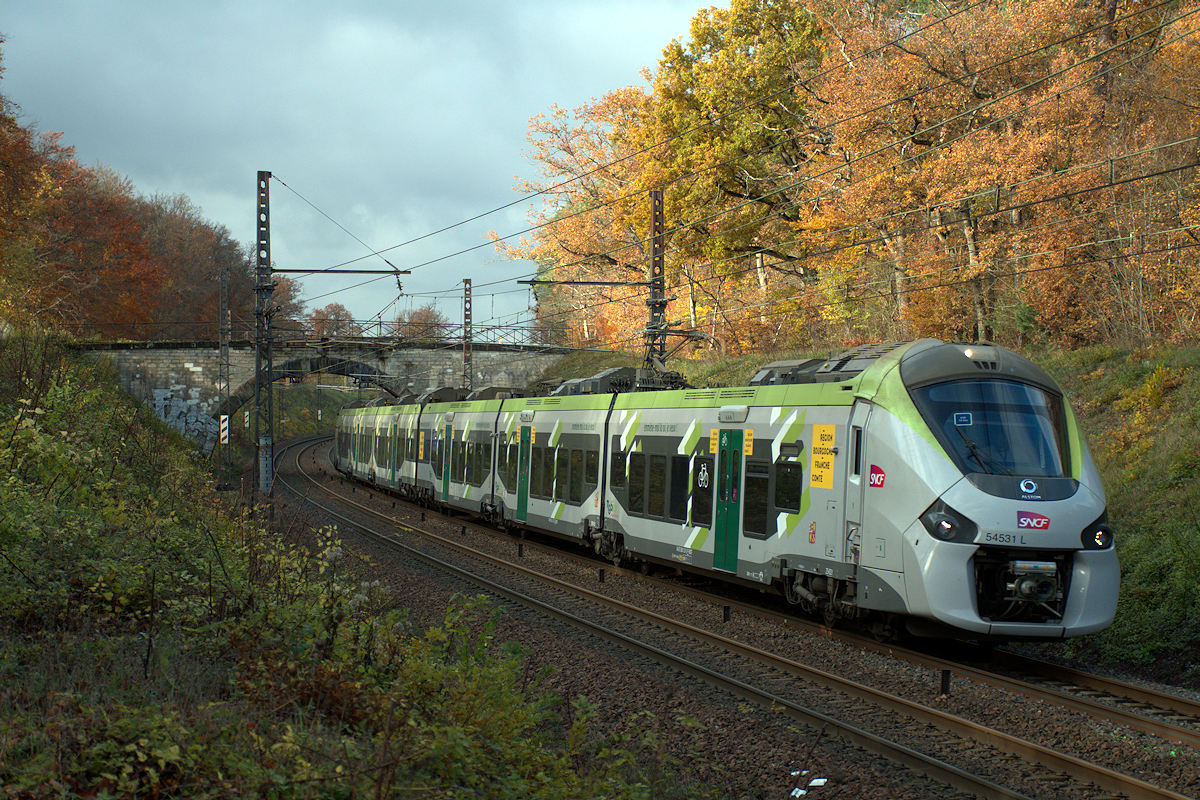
(946, 487)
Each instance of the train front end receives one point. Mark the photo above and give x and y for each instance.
(1016, 544)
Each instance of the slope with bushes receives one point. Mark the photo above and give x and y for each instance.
(154, 645)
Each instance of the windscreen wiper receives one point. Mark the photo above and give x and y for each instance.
(981, 457)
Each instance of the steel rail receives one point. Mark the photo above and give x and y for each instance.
(927, 765)
(1167, 729)
(1004, 742)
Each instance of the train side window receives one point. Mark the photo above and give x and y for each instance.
(502, 460)
(547, 472)
(576, 476)
(679, 488)
(702, 491)
(535, 470)
(514, 459)
(637, 482)
(561, 476)
(591, 472)
(436, 456)
(478, 463)
(657, 480)
(789, 486)
(616, 478)
(458, 461)
(757, 520)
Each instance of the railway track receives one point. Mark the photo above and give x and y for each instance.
(920, 737)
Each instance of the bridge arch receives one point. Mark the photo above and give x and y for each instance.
(307, 365)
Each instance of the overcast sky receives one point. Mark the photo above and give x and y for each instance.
(394, 118)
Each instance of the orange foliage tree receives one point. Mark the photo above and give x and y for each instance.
(845, 172)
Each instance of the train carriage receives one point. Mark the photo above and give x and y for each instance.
(944, 485)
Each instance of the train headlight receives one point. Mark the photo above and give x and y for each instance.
(1098, 535)
(946, 524)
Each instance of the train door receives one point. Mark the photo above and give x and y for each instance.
(447, 451)
(420, 456)
(729, 501)
(524, 450)
(395, 451)
(856, 483)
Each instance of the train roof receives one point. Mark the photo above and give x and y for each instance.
(921, 362)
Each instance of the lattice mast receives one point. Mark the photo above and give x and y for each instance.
(264, 310)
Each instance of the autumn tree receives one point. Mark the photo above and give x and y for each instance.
(853, 171)
(424, 323)
(985, 156)
(716, 132)
(333, 320)
(733, 105)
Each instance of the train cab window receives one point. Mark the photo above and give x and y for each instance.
(679, 488)
(702, 491)
(548, 472)
(591, 472)
(535, 471)
(757, 520)
(856, 465)
(576, 495)
(502, 459)
(789, 486)
(510, 475)
(637, 483)
(657, 482)
(436, 458)
(561, 475)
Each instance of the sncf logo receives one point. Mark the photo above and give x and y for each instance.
(878, 476)
(1027, 520)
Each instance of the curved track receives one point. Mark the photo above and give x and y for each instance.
(756, 674)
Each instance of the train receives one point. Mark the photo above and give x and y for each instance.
(920, 487)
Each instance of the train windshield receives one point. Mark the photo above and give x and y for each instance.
(997, 427)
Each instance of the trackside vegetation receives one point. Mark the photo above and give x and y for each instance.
(155, 645)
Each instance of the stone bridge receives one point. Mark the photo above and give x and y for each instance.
(179, 379)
